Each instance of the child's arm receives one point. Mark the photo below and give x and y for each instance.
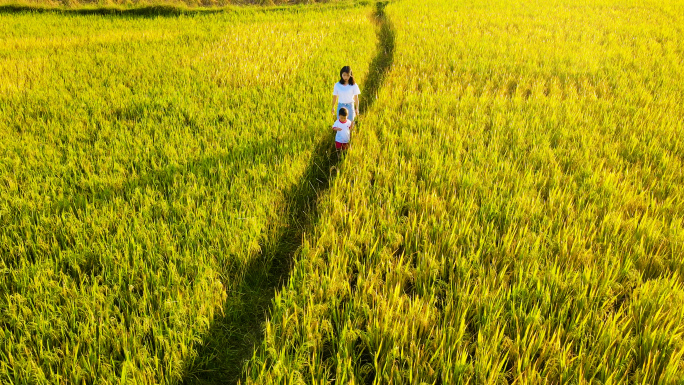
(336, 128)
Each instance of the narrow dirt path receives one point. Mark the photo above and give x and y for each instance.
(384, 57)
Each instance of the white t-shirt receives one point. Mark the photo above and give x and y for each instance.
(342, 136)
(346, 92)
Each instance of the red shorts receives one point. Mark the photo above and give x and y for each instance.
(341, 146)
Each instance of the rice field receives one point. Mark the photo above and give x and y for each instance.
(147, 167)
(510, 211)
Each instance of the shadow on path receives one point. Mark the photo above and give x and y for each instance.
(232, 338)
(233, 335)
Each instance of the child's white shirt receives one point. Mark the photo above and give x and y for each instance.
(344, 135)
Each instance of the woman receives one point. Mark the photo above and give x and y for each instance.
(346, 95)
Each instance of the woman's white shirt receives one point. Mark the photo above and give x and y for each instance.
(345, 93)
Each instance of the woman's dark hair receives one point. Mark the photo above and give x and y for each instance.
(347, 69)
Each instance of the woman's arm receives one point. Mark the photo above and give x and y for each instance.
(356, 106)
(334, 105)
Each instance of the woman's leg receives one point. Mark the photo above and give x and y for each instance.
(350, 110)
(352, 116)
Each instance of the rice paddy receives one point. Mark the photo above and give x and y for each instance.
(510, 211)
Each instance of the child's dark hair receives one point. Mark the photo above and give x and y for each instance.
(343, 112)
(347, 69)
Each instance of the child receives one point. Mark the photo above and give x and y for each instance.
(343, 127)
(346, 94)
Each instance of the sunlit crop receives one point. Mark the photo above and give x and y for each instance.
(511, 211)
(147, 166)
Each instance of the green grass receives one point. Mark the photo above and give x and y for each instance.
(168, 8)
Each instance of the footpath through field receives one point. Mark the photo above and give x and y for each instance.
(233, 338)
(510, 212)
